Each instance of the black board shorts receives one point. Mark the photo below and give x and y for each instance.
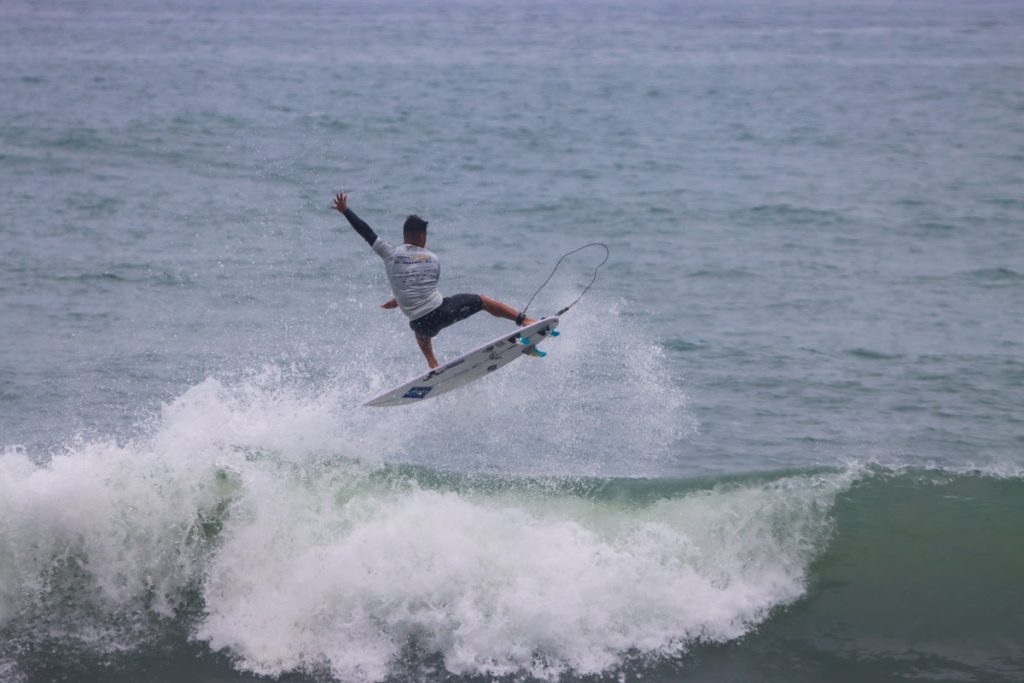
(452, 310)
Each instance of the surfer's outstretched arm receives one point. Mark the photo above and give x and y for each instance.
(357, 223)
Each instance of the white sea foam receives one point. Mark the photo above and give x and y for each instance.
(267, 498)
(127, 514)
(308, 561)
(501, 584)
(602, 403)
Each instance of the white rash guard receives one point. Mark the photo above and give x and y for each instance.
(413, 273)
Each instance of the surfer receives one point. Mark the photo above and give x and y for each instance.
(413, 273)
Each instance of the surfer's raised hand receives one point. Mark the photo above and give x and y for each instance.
(341, 202)
(390, 304)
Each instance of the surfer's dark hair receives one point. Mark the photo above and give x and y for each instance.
(414, 224)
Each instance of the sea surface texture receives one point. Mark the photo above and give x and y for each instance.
(781, 439)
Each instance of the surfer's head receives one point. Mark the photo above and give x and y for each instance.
(415, 231)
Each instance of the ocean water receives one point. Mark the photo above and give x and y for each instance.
(781, 439)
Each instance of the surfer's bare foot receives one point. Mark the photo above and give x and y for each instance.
(522, 320)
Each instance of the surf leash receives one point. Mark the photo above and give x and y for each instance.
(607, 254)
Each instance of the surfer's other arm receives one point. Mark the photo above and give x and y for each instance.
(358, 224)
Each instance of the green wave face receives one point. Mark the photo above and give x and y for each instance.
(362, 570)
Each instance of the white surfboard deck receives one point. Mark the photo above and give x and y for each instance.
(468, 367)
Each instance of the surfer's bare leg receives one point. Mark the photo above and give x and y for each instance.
(500, 310)
(428, 350)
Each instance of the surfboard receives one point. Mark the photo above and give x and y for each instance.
(470, 366)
